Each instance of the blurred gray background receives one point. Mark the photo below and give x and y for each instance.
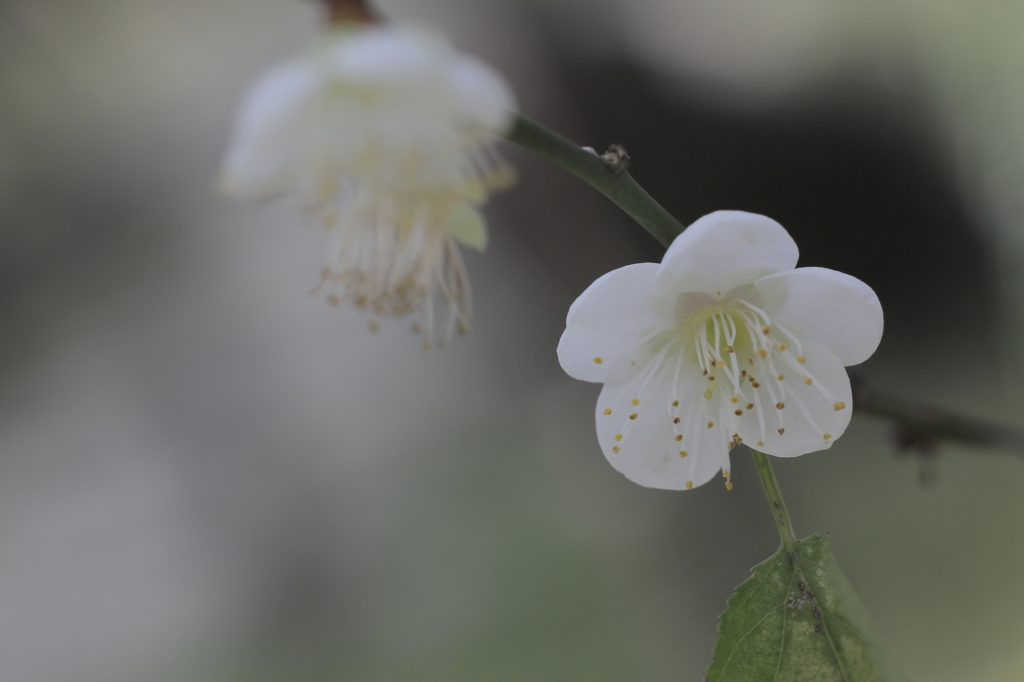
(208, 474)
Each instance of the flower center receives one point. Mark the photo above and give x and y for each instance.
(740, 350)
(748, 365)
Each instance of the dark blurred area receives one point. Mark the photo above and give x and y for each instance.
(850, 172)
(206, 474)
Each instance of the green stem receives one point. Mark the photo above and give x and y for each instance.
(614, 183)
(774, 494)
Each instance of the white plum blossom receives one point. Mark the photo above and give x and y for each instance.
(724, 342)
(387, 135)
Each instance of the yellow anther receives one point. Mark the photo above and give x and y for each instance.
(679, 438)
(719, 363)
(598, 360)
(729, 349)
(781, 377)
(743, 373)
(726, 474)
(708, 393)
(618, 436)
(749, 406)
(684, 453)
(826, 436)
(711, 378)
(607, 410)
(808, 381)
(766, 329)
(616, 449)
(838, 405)
(762, 353)
(781, 346)
(728, 485)
(633, 416)
(675, 403)
(731, 444)
(689, 485)
(755, 384)
(636, 401)
(760, 444)
(801, 359)
(734, 399)
(738, 413)
(711, 424)
(780, 405)
(750, 361)
(782, 431)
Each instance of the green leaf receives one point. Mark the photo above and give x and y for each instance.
(468, 227)
(796, 619)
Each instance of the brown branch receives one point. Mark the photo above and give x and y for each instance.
(922, 426)
(348, 11)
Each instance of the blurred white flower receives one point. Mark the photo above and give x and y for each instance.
(386, 134)
(722, 343)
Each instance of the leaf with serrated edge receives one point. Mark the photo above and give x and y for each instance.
(796, 619)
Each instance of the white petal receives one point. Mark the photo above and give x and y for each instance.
(805, 429)
(387, 54)
(834, 308)
(485, 98)
(723, 250)
(388, 57)
(416, 114)
(267, 141)
(607, 319)
(648, 452)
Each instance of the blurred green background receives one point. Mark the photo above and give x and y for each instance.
(207, 474)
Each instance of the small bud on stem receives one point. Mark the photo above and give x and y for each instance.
(616, 157)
